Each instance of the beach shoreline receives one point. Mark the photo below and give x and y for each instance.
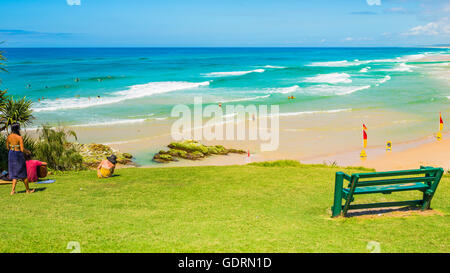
(323, 150)
(331, 136)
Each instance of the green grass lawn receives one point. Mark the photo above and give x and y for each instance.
(209, 209)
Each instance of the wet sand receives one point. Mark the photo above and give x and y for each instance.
(314, 138)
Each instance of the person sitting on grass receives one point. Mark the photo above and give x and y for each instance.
(106, 167)
(32, 166)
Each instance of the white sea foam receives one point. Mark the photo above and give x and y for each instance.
(318, 90)
(245, 99)
(385, 79)
(415, 56)
(289, 114)
(343, 63)
(109, 122)
(232, 73)
(356, 62)
(436, 64)
(133, 92)
(365, 69)
(148, 89)
(330, 78)
(274, 66)
(99, 123)
(402, 67)
(284, 90)
(327, 90)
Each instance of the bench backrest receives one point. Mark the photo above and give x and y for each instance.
(425, 175)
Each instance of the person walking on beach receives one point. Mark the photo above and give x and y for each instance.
(17, 167)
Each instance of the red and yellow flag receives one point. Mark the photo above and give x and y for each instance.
(441, 122)
(364, 136)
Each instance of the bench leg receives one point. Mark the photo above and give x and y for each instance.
(426, 201)
(337, 204)
(428, 194)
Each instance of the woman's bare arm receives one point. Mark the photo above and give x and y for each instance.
(21, 144)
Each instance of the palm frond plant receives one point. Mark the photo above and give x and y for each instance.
(53, 146)
(2, 61)
(2, 92)
(2, 97)
(13, 111)
(3, 153)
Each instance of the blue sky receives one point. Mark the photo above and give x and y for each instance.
(65, 23)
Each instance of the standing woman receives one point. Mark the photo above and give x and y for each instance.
(16, 161)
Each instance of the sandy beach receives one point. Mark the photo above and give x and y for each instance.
(315, 139)
(434, 154)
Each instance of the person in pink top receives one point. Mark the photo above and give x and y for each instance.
(32, 167)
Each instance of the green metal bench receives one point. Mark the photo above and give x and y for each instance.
(425, 179)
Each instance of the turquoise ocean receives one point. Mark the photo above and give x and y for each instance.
(107, 86)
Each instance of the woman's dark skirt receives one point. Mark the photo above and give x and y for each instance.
(17, 166)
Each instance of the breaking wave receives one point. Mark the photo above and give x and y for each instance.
(232, 73)
(330, 78)
(133, 92)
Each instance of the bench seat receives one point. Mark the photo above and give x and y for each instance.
(389, 188)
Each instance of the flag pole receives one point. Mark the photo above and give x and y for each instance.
(441, 127)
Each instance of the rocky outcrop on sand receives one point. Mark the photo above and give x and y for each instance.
(94, 153)
(191, 150)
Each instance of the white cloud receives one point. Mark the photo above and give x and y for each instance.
(373, 2)
(73, 2)
(441, 27)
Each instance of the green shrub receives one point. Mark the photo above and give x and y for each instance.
(54, 148)
(277, 163)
